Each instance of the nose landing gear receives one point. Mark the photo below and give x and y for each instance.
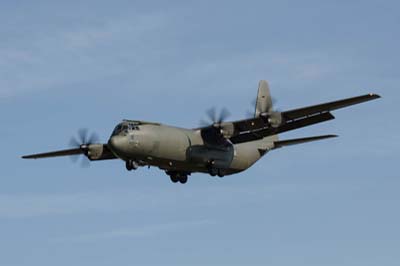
(131, 165)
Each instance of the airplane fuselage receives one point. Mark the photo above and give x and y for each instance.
(178, 149)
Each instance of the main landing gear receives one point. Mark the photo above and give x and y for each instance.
(178, 177)
(213, 171)
(216, 172)
(131, 165)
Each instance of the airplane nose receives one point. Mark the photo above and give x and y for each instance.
(115, 143)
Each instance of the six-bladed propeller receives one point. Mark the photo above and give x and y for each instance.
(83, 142)
(214, 128)
(215, 119)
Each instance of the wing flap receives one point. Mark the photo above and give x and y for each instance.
(289, 125)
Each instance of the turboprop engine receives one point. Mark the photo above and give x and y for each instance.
(274, 119)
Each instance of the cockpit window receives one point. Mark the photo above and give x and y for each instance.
(117, 130)
(124, 128)
(133, 127)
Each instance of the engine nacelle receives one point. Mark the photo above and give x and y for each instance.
(274, 119)
(99, 152)
(227, 130)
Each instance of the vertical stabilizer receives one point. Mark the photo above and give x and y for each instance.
(264, 100)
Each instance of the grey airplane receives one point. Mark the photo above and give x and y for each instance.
(218, 148)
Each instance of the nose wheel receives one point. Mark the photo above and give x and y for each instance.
(131, 165)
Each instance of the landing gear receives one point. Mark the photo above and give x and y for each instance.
(216, 172)
(178, 177)
(183, 179)
(213, 171)
(131, 165)
(221, 172)
(174, 178)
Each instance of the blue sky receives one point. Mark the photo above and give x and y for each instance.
(66, 65)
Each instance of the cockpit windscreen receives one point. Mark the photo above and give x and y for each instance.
(124, 128)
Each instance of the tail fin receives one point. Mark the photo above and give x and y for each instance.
(264, 100)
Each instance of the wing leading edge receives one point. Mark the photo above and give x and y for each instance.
(94, 152)
(54, 154)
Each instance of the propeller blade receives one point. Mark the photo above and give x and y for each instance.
(85, 162)
(74, 143)
(93, 138)
(212, 114)
(215, 118)
(82, 142)
(82, 133)
(223, 115)
(204, 123)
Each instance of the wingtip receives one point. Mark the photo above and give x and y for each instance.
(375, 96)
(28, 157)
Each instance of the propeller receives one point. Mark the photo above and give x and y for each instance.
(213, 131)
(214, 118)
(83, 142)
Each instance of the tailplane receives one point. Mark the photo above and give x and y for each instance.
(283, 143)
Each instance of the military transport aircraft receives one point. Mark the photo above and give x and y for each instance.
(219, 148)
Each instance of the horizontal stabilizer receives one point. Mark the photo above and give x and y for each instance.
(282, 143)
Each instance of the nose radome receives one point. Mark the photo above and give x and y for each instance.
(115, 143)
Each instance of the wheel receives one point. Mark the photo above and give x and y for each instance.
(183, 179)
(129, 165)
(174, 178)
(221, 172)
(213, 171)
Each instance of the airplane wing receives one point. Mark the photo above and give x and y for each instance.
(258, 128)
(327, 107)
(54, 154)
(94, 152)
